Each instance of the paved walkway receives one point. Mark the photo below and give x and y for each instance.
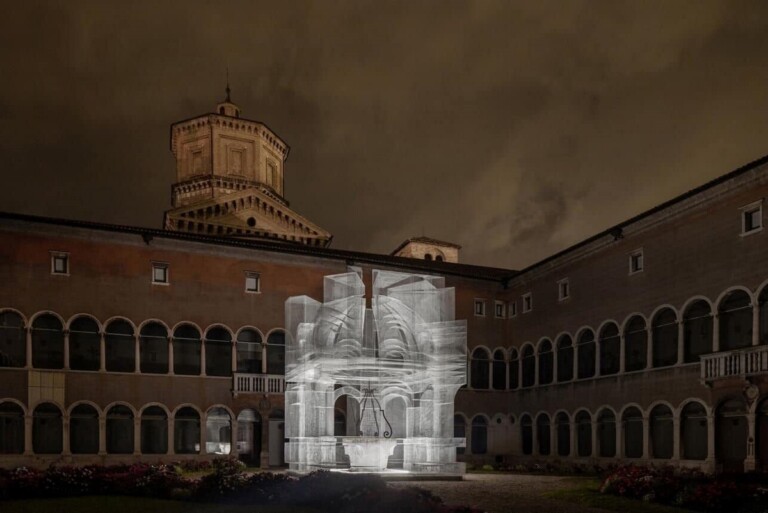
(503, 493)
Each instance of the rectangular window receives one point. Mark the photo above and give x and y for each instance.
(636, 261)
(252, 282)
(752, 218)
(513, 309)
(563, 290)
(160, 273)
(501, 309)
(59, 263)
(527, 302)
(480, 307)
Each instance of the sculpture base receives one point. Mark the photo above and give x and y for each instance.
(368, 454)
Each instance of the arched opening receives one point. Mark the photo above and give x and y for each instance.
(84, 429)
(119, 347)
(13, 343)
(249, 351)
(47, 430)
(439, 258)
(276, 438)
(276, 353)
(479, 370)
(693, 431)
(249, 437)
(563, 433)
(84, 344)
(153, 345)
(697, 331)
(610, 343)
(606, 434)
(218, 352)
(762, 303)
(499, 370)
(339, 423)
(479, 435)
(186, 350)
(459, 430)
(543, 434)
(546, 362)
(564, 359)
(47, 342)
(661, 432)
(632, 420)
(514, 369)
(735, 317)
(529, 367)
(11, 428)
(731, 432)
(427, 256)
(218, 431)
(154, 430)
(186, 431)
(120, 430)
(583, 434)
(635, 345)
(664, 333)
(586, 354)
(526, 434)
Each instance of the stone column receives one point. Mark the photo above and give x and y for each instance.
(490, 373)
(203, 432)
(680, 342)
(554, 363)
(170, 356)
(649, 348)
(66, 349)
(202, 358)
(710, 461)
(622, 355)
(534, 438)
(102, 352)
(535, 369)
(264, 438)
(553, 452)
(65, 433)
(137, 435)
(28, 337)
(619, 438)
(597, 358)
(750, 462)
(234, 357)
(137, 354)
(755, 323)
(171, 436)
(646, 438)
(573, 433)
(575, 362)
(676, 446)
(233, 434)
(28, 434)
(715, 332)
(595, 450)
(102, 435)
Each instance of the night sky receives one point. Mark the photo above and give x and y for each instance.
(512, 128)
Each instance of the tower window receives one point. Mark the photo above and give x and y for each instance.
(439, 258)
(563, 290)
(221, 110)
(428, 257)
(636, 261)
(480, 307)
(59, 263)
(160, 273)
(251, 222)
(752, 218)
(252, 282)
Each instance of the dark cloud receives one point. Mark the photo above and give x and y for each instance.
(512, 128)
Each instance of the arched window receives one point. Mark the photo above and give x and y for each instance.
(731, 434)
(661, 432)
(563, 433)
(84, 344)
(47, 342)
(697, 331)
(276, 353)
(583, 434)
(218, 431)
(186, 350)
(635, 345)
(762, 302)
(606, 434)
(154, 430)
(514, 369)
(529, 366)
(480, 369)
(218, 352)
(153, 345)
(438, 258)
(249, 352)
(546, 362)
(564, 359)
(526, 434)
(735, 316)
(119, 347)
(543, 434)
(84, 429)
(120, 430)
(459, 430)
(11, 428)
(665, 338)
(610, 345)
(186, 431)
(13, 343)
(47, 430)
(585, 352)
(633, 432)
(693, 431)
(479, 435)
(499, 370)
(427, 257)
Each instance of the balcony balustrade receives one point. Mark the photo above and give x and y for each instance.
(745, 362)
(259, 384)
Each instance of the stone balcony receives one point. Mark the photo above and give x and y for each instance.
(258, 384)
(749, 361)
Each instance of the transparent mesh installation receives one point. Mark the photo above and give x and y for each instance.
(395, 366)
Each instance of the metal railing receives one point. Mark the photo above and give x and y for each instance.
(740, 362)
(259, 384)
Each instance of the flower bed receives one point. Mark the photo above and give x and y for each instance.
(227, 483)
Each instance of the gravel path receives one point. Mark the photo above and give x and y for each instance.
(503, 493)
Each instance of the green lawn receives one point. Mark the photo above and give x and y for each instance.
(586, 493)
(101, 504)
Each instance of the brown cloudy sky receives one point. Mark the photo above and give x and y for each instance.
(512, 128)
